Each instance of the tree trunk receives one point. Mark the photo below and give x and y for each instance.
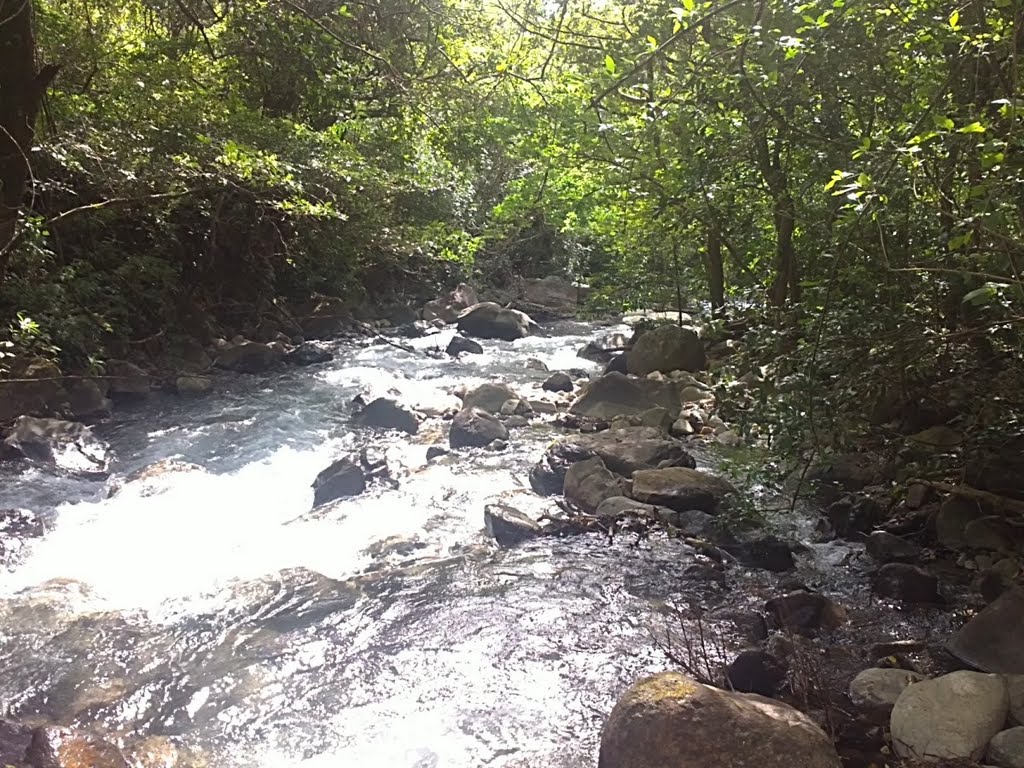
(22, 86)
(716, 272)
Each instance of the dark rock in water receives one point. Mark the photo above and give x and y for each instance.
(558, 382)
(248, 357)
(681, 488)
(15, 739)
(756, 671)
(447, 309)
(127, 381)
(805, 612)
(766, 552)
(620, 507)
(667, 348)
(387, 413)
(618, 364)
(533, 364)
(588, 483)
(474, 428)
(991, 641)
(192, 385)
(308, 353)
(855, 514)
(547, 476)
(909, 583)
(595, 353)
(884, 547)
(497, 446)
(460, 345)
(488, 320)
(86, 399)
(415, 329)
(64, 445)
(848, 472)
(615, 394)
(509, 526)
(342, 479)
(436, 452)
(54, 747)
(693, 523)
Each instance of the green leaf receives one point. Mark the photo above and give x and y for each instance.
(609, 64)
(941, 121)
(954, 20)
(974, 127)
(689, 5)
(652, 41)
(983, 295)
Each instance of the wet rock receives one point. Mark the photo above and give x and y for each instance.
(657, 417)
(618, 364)
(619, 507)
(917, 496)
(460, 345)
(588, 483)
(595, 353)
(15, 739)
(488, 320)
(908, 583)
(993, 533)
(681, 488)
(763, 551)
(855, 514)
(952, 519)
(447, 308)
(247, 357)
(667, 348)
(805, 613)
(127, 381)
(682, 427)
(436, 452)
(509, 526)
(191, 385)
(516, 422)
(86, 399)
(533, 364)
(308, 353)
(542, 406)
(558, 382)
(615, 394)
(497, 446)
(54, 747)
(629, 449)
(672, 721)
(952, 717)
(489, 397)
(475, 428)
(693, 523)
(547, 476)
(161, 752)
(341, 479)
(874, 691)
(884, 547)
(65, 445)
(153, 478)
(515, 407)
(991, 641)
(1006, 750)
(756, 671)
(388, 413)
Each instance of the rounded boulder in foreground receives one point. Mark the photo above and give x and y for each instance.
(952, 717)
(672, 721)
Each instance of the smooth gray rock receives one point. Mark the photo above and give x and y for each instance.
(886, 547)
(681, 488)
(488, 320)
(615, 394)
(341, 479)
(667, 348)
(588, 483)
(509, 526)
(388, 413)
(1006, 750)
(952, 717)
(874, 691)
(473, 428)
(951, 522)
(489, 397)
(1015, 685)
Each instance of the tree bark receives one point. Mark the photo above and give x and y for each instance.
(22, 86)
(716, 271)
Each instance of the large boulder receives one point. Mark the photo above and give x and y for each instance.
(588, 483)
(460, 345)
(667, 348)
(874, 692)
(86, 399)
(991, 641)
(65, 445)
(672, 721)
(15, 739)
(248, 357)
(474, 428)
(489, 397)
(388, 413)
(554, 294)
(1006, 749)
(127, 380)
(341, 479)
(488, 320)
(447, 309)
(615, 394)
(952, 717)
(681, 488)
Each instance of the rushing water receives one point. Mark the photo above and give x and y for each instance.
(216, 609)
(386, 630)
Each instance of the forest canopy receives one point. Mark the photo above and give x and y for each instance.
(849, 171)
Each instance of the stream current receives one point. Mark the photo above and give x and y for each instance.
(215, 609)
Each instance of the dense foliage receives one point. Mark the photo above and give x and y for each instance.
(846, 172)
